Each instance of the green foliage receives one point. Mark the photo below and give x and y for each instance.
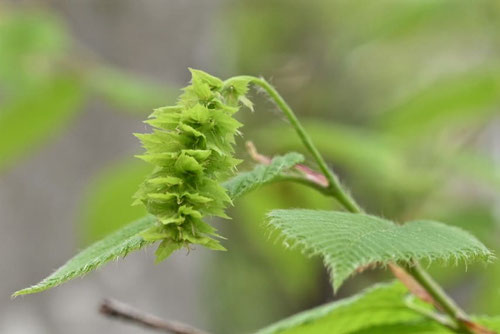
(131, 237)
(38, 96)
(108, 208)
(114, 246)
(43, 85)
(31, 42)
(191, 149)
(349, 241)
(471, 96)
(261, 174)
(275, 281)
(26, 121)
(380, 304)
(383, 308)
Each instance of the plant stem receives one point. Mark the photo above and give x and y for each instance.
(304, 181)
(335, 189)
(442, 319)
(439, 295)
(122, 311)
(334, 184)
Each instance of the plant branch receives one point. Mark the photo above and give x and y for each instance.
(118, 310)
(333, 182)
(462, 320)
(335, 189)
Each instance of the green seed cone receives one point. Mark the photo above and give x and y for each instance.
(191, 148)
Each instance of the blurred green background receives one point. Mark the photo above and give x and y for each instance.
(402, 97)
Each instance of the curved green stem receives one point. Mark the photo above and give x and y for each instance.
(333, 182)
(335, 190)
(439, 295)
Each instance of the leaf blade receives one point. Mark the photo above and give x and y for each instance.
(116, 245)
(380, 304)
(347, 241)
(261, 174)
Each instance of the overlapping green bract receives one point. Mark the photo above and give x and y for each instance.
(191, 148)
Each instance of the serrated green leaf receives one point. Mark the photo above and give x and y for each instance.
(427, 327)
(380, 309)
(261, 174)
(348, 241)
(116, 245)
(380, 304)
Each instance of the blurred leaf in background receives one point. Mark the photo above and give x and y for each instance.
(38, 97)
(108, 202)
(44, 81)
(125, 92)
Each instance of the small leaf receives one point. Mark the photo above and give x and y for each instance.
(261, 174)
(347, 241)
(116, 245)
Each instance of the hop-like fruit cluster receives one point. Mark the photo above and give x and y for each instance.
(191, 148)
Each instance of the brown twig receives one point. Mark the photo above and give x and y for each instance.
(118, 310)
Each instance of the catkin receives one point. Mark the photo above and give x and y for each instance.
(191, 149)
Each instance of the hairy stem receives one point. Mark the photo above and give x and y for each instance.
(333, 182)
(436, 291)
(336, 190)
